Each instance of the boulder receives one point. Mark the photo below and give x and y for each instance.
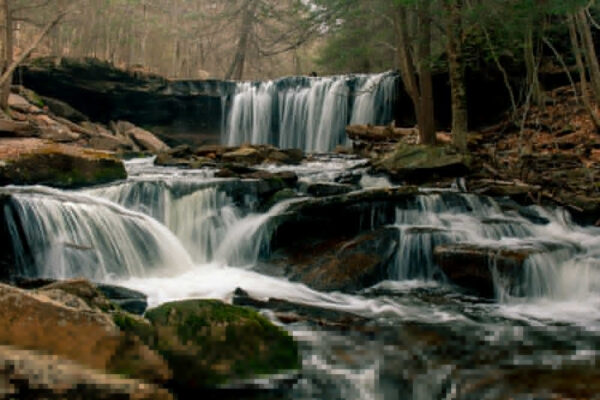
(82, 289)
(26, 374)
(64, 110)
(343, 265)
(209, 343)
(470, 265)
(54, 131)
(129, 300)
(57, 322)
(21, 104)
(344, 215)
(243, 155)
(420, 163)
(144, 139)
(64, 166)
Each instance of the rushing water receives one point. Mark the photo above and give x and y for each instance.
(184, 234)
(306, 113)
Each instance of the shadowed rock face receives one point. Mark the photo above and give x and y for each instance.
(338, 264)
(188, 111)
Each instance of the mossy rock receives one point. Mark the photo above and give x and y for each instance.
(61, 170)
(208, 343)
(421, 163)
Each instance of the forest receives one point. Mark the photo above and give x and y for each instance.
(300, 199)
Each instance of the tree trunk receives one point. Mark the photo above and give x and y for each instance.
(589, 52)
(8, 54)
(457, 75)
(426, 108)
(582, 72)
(236, 71)
(533, 81)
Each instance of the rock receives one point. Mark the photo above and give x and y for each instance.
(10, 128)
(468, 265)
(419, 163)
(243, 155)
(342, 265)
(369, 133)
(65, 166)
(32, 375)
(19, 103)
(83, 290)
(213, 150)
(288, 312)
(52, 130)
(283, 194)
(64, 110)
(141, 137)
(284, 157)
(209, 343)
(322, 189)
(338, 216)
(129, 300)
(60, 323)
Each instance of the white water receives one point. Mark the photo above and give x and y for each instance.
(307, 113)
(177, 237)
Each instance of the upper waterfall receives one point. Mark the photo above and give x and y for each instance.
(309, 113)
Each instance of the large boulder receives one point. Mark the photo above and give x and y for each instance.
(340, 216)
(343, 265)
(26, 374)
(420, 163)
(34, 161)
(208, 343)
(57, 322)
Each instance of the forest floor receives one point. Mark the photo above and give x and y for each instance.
(554, 149)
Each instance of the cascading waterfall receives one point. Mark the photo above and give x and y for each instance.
(72, 234)
(566, 267)
(307, 113)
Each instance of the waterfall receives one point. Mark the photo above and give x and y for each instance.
(566, 264)
(307, 113)
(69, 234)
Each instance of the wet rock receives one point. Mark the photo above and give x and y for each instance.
(339, 216)
(31, 375)
(65, 166)
(419, 163)
(322, 189)
(57, 322)
(129, 300)
(289, 312)
(344, 265)
(64, 110)
(282, 195)
(213, 151)
(209, 343)
(473, 266)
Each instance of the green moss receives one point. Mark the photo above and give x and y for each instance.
(208, 342)
(137, 326)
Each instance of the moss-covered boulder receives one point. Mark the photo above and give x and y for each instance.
(420, 163)
(208, 343)
(34, 161)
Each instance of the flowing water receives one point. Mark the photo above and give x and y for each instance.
(305, 112)
(176, 234)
